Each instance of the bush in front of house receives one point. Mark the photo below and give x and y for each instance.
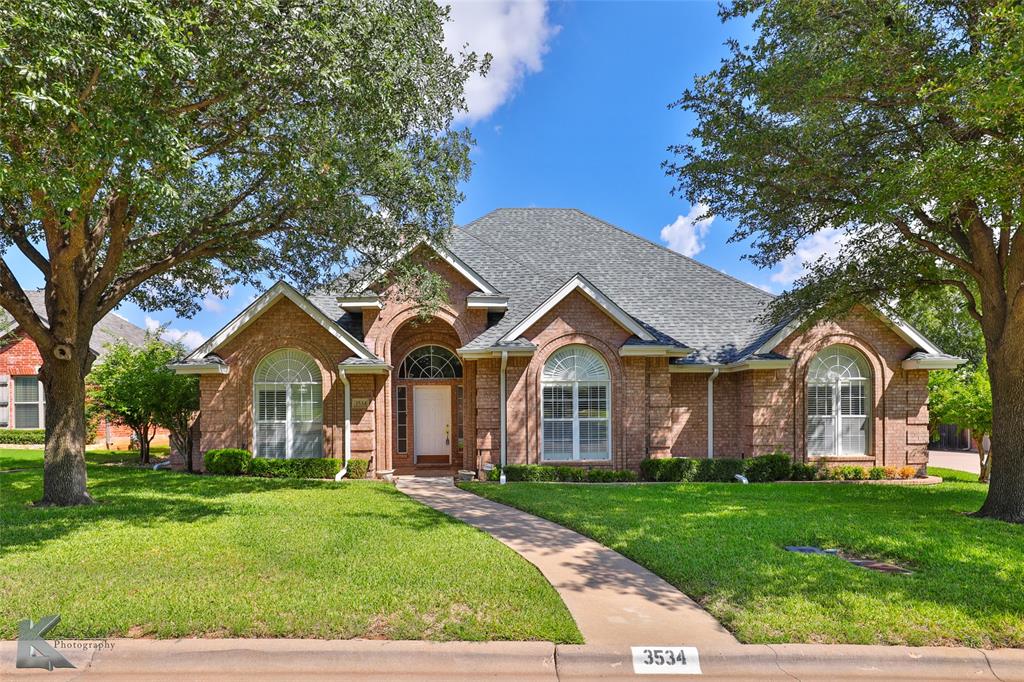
(560, 474)
(876, 473)
(777, 466)
(228, 461)
(22, 436)
(801, 471)
(358, 468)
(685, 469)
(313, 467)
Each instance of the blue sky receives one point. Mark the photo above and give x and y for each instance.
(573, 114)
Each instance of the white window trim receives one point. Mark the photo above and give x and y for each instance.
(838, 416)
(289, 429)
(576, 419)
(40, 403)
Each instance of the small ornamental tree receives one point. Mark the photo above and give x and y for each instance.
(896, 129)
(130, 384)
(163, 150)
(177, 409)
(964, 398)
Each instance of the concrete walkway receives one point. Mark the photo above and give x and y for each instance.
(615, 601)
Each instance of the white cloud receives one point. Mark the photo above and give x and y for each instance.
(827, 242)
(217, 302)
(686, 234)
(514, 32)
(191, 338)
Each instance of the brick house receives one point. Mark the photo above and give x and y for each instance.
(564, 340)
(22, 403)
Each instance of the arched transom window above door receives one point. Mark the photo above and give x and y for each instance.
(430, 362)
(576, 406)
(838, 403)
(288, 406)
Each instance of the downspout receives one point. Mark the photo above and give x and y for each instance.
(502, 416)
(348, 424)
(711, 412)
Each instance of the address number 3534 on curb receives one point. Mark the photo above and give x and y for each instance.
(665, 660)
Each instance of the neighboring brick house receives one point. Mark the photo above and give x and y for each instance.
(22, 403)
(564, 340)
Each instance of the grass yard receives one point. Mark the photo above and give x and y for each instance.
(722, 544)
(166, 554)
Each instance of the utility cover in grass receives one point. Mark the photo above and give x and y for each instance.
(871, 564)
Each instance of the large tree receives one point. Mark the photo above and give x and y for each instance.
(895, 127)
(160, 150)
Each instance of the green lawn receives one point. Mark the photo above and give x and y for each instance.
(722, 545)
(169, 555)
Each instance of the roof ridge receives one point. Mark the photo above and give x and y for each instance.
(675, 253)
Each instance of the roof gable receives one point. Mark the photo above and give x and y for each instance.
(581, 284)
(261, 305)
(442, 252)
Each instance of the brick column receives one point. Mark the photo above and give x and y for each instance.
(659, 403)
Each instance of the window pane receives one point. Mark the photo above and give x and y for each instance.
(593, 401)
(271, 405)
(558, 440)
(401, 411)
(271, 440)
(853, 435)
(26, 390)
(821, 435)
(26, 416)
(307, 405)
(307, 440)
(557, 402)
(852, 399)
(593, 439)
(819, 400)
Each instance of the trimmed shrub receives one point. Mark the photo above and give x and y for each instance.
(876, 473)
(778, 466)
(313, 467)
(892, 472)
(671, 469)
(847, 473)
(803, 472)
(907, 472)
(357, 468)
(718, 470)
(570, 474)
(23, 436)
(494, 474)
(611, 476)
(530, 472)
(228, 461)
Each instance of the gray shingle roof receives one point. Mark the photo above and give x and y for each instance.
(529, 253)
(108, 330)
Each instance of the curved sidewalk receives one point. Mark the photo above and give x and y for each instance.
(615, 601)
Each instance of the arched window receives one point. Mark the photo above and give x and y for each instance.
(430, 362)
(838, 403)
(575, 406)
(288, 406)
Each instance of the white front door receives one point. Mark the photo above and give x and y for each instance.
(431, 422)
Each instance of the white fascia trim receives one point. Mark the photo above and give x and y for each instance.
(581, 284)
(904, 330)
(933, 363)
(197, 368)
(360, 302)
(475, 354)
(446, 255)
(490, 302)
(744, 366)
(260, 305)
(654, 351)
(364, 369)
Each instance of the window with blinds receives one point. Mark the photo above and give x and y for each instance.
(402, 413)
(28, 403)
(5, 402)
(575, 406)
(838, 403)
(288, 406)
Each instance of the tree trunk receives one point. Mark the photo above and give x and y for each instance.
(64, 477)
(143, 436)
(1005, 499)
(984, 460)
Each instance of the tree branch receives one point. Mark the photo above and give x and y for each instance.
(934, 248)
(14, 301)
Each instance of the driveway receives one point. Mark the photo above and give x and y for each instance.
(961, 461)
